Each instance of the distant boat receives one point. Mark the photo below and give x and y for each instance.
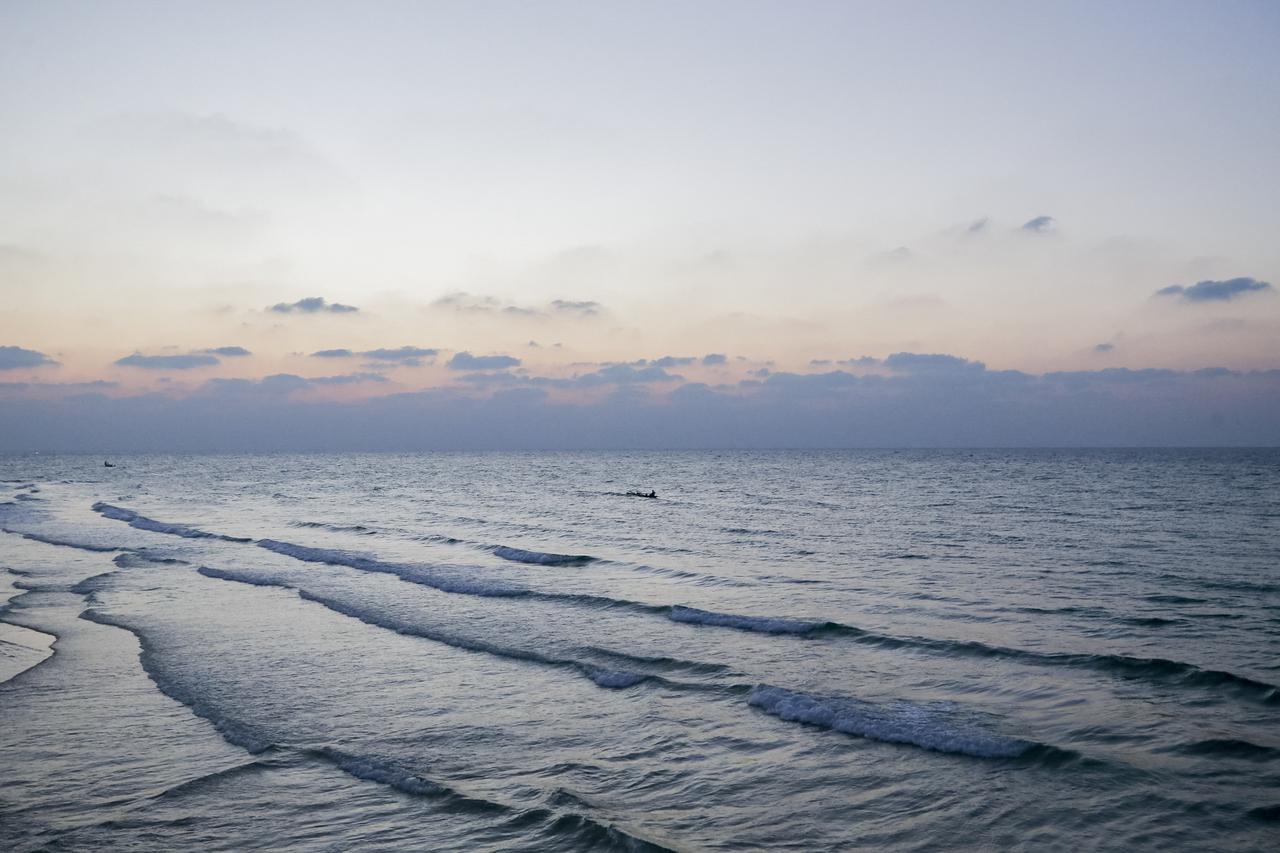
(107, 465)
(642, 494)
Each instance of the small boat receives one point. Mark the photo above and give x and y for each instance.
(633, 494)
(107, 465)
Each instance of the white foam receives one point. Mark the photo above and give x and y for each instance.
(616, 679)
(384, 773)
(901, 722)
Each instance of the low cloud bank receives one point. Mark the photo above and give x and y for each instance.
(904, 400)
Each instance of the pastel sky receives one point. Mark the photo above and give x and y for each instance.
(412, 224)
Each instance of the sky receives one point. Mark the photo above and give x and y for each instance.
(417, 225)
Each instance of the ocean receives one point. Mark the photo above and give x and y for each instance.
(862, 650)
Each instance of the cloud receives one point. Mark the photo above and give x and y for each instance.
(14, 358)
(911, 362)
(403, 356)
(584, 308)
(804, 385)
(1040, 225)
(978, 226)
(1113, 376)
(168, 362)
(230, 352)
(312, 305)
(407, 356)
(348, 379)
(1101, 348)
(1210, 407)
(1215, 291)
(285, 383)
(470, 303)
(467, 303)
(714, 358)
(466, 361)
(47, 389)
(627, 374)
(669, 361)
(900, 255)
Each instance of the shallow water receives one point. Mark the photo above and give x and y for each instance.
(785, 650)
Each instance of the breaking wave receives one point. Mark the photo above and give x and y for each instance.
(65, 543)
(902, 722)
(555, 827)
(603, 676)
(1124, 666)
(141, 522)
(541, 558)
(759, 624)
(423, 575)
(1154, 669)
(551, 824)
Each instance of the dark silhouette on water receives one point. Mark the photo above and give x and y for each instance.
(107, 465)
(633, 494)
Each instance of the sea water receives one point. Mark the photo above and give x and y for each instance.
(1047, 650)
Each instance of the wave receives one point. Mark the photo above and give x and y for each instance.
(1124, 666)
(602, 676)
(1153, 669)
(1228, 748)
(387, 773)
(541, 558)
(141, 522)
(903, 722)
(759, 624)
(423, 575)
(245, 736)
(90, 586)
(448, 581)
(1165, 598)
(337, 528)
(200, 782)
(1152, 621)
(555, 827)
(34, 646)
(1266, 814)
(65, 543)
(143, 557)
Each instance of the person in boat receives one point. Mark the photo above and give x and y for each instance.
(107, 465)
(651, 494)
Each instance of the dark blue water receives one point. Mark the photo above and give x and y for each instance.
(783, 651)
